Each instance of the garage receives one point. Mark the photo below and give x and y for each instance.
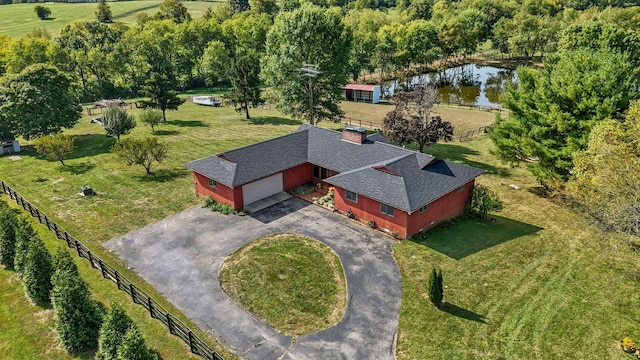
(262, 188)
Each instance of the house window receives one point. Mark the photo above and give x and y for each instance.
(461, 188)
(424, 209)
(213, 183)
(351, 196)
(386, 209)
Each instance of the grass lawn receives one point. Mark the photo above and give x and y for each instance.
(17, 20)
(541, 282)
(291, 282)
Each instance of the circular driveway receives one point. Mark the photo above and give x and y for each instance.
(181, 256)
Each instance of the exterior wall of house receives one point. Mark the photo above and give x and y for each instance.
(297, 176)
(368, 209)
(445, 208)
(221, 193)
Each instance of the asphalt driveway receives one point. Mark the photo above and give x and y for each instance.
(181, 256)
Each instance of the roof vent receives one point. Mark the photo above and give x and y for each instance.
(354, 134)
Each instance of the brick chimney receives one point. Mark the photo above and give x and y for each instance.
(354, 134)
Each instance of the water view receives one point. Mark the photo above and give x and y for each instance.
(467, 84)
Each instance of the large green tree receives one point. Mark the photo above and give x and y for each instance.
(115, 325)
(117, 121)
(8, 222)
(553, 109)
(606, 177)
(134, 348)
(173, 10)
(37, 271)
(24, 234)
(40, 100)
(78, 316)
(244, 74)
(308, 35)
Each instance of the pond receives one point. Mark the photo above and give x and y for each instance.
(467, 84)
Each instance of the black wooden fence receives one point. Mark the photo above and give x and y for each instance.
(176, 327)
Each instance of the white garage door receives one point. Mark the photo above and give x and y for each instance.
(262, 188)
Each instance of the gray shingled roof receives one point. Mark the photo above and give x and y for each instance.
(246, 164)
(398, 177)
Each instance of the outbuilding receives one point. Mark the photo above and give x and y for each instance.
(362, 93)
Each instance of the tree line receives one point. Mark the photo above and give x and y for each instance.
(81, 323)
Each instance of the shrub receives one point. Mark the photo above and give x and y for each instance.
(24, 234)
(371, 224)
(151, 117)
(483, 201)
(141, 151)
(350, 214)
(42, 12)
(117, 121)
(78, 316)
(225, 209)
(114, 327)
(8, 222)
(133, 347)
(435, 289)
(37, 272)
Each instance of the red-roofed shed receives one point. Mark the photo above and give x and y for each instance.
(361, 93)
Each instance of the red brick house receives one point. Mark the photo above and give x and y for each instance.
(400, 189)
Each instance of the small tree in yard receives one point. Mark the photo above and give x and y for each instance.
(37, 272)
(54, 147)
(117, 121)
(436, 290)
(141, 151)
(411, 120)
(484, 201)
(133, 347)
(24, 235)
(115, 325)
(103, 14)
(78, 316)
(151, 117)
(42, 12)
(8, 221)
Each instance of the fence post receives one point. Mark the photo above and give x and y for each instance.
(78, 247)
(150, 305)
(191, 341)
(104, 274)
(117, 279)
(66, 236)
(132, 288)
(169, 323)
(90, 258)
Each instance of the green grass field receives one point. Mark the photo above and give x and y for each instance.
(541, 282)
(291, 282)
(17, 20)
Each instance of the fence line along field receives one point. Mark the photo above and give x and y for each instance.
(19, 19)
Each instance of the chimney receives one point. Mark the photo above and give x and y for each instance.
(354, 134)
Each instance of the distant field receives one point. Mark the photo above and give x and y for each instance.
(17, 20)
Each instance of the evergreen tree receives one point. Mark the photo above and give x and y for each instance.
(24, 235)
(134, 348)
(8, 221)
(240, 5)
(79, 317)
(114, 327)
(103, 14)
(37, 272)
(435, 287)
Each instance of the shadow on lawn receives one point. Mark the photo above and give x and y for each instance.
(77, 169)
(470, 236)
(164, 175)
(187, 123)
(166, 132)
(461, 153)
(88, 145)
(462, 313)
(272, 120)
